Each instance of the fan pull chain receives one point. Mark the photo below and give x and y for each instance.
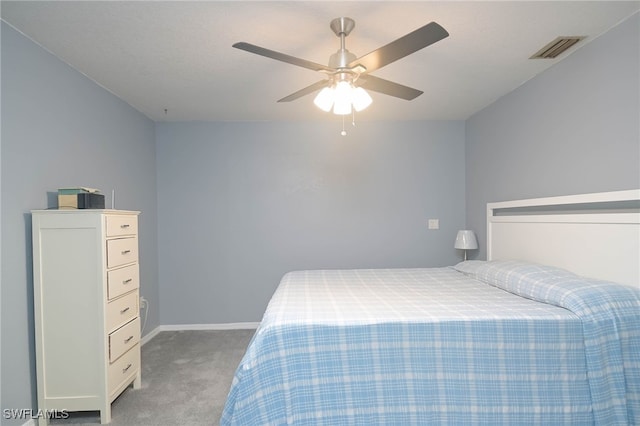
(343, 132)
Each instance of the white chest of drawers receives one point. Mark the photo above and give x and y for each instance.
(86, 308)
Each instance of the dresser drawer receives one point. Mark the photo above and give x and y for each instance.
(122, 310)
(119, 225)
(123, 280)
(124, 339)
(122, 251)
(124, 369)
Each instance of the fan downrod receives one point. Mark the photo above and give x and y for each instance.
(342, 26)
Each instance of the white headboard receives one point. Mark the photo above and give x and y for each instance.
(594, 235)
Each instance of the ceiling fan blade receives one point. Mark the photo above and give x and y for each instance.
(252, 48)
(387, 87)
(302, 92)
(410, 43)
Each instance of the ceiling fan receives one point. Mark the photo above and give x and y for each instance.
(347, 75)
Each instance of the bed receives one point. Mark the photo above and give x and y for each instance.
(523, 338)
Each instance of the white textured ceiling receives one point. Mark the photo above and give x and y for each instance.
(177, 55)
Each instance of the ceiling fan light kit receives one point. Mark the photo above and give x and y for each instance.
(342, 90)
(342, 97)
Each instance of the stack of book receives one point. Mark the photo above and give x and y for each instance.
(80, 198)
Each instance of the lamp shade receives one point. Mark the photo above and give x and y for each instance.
(466, 240)
(361, 99)
(342, 98)
(324, 100)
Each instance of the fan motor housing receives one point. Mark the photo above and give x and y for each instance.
(341, 59)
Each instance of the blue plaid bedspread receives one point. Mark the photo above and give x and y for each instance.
(439, 346)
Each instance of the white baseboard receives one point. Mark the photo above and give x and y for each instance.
(224, 326)
(186, 327)
(150, 335)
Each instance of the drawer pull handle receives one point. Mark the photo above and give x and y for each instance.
(127, 340)
(125, 251)
(124, 310)
(124, 370)
(125, 225)
(127, 281)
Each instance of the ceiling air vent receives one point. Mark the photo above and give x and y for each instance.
(556, 47)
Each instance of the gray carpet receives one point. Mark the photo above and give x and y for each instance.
(186, 376)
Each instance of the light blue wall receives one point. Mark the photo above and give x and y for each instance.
(241, 204)
(573, 129)
(61, 129)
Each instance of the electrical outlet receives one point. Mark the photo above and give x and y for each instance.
(433, 224)
(143, 302)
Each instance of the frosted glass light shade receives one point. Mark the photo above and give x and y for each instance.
(466, 240)
(360, 99)
(324, 99)
(342, 98)
(342, 108)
